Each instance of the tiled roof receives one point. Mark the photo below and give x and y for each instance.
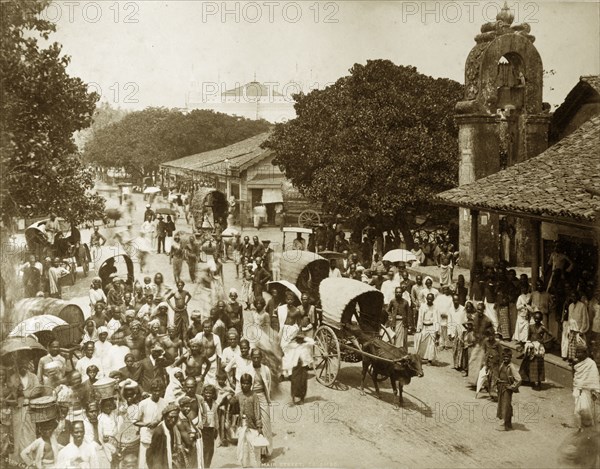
(558, 183)
(239, 156)
(593, 81)
(586, 90)
(266, 180)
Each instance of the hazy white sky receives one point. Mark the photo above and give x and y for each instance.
(148, 53)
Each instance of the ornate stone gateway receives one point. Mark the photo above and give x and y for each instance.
(502, 121)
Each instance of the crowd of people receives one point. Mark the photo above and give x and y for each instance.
(153, 385)
(477, 323)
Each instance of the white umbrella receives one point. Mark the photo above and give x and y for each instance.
(399, 255)
(289, 285)
(152, 190)
(35, 324)
(229, 232)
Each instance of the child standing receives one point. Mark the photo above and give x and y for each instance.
(532, 367)
(209, 422)
(107, 431)
(148, 288)
(508, 383)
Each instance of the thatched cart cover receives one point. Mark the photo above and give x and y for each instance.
(68, 312)
(339, 298)
(205, 197)
(305, 269)
(114, 259)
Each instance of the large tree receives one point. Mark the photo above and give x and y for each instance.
(374, 146)
(41, 107)
(142, 140)
(104, 115)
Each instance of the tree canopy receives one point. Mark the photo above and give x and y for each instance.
(375, 145)
(104, 115)
(41, 106)
(142, 140)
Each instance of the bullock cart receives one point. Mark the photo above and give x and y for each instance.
(344, 302)
(304, 269)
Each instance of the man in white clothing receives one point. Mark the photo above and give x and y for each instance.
(388, 288)
(78, 454)
(443, 303)
(89, 359)
(427, 290)
(149, 416)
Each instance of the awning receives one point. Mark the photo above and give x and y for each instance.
(272, 196)
(265, 180)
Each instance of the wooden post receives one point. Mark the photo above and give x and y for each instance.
(474, 239)
(536, 232)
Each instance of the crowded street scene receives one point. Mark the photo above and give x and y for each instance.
(391, 268)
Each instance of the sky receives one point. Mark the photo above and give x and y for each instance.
(153, 53)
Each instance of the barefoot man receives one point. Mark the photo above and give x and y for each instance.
(182, 298)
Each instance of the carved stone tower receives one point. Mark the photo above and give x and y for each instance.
(502, 121)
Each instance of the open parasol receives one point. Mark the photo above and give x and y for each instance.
(152, 190)
(21, 344)
(41, 325)
(399, 255)
(166, 211)
(289, 285)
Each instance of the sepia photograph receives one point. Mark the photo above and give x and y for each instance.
(299, 234)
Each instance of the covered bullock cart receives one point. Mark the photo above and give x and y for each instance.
(304, 269)
(344, 302)
(209, 207)
(68, 334)
(72, 254)
(114, 261)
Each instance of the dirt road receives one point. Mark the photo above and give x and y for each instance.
(440, 425)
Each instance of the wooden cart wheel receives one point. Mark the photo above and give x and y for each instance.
(385, 336)
(308, 219)
(327, 356)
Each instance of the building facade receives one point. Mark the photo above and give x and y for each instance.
(242, 171)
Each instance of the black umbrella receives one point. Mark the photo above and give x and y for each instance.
(24, 345)
(166, 211)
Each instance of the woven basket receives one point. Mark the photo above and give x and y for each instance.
(105, 388)
(43, 409)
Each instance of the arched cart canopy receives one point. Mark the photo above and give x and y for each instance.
(340, 298)
(114, 260)
(305, 269)
(208, 197)
(37, 239)
(72, 314)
